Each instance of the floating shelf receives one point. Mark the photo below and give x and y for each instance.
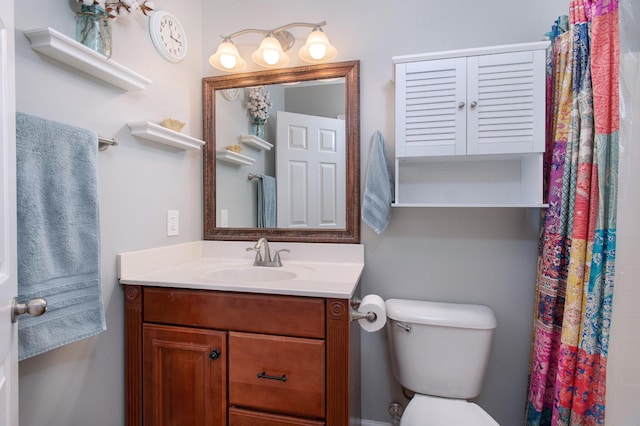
(62, 48)
(157, 133)
(234, 158)
(256, 142)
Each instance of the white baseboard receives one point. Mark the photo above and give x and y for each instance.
(373, 423)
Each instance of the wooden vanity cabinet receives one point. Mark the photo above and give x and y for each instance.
(202, 357)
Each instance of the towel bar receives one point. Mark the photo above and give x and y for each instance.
(104, 143)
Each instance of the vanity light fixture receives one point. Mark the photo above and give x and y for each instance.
(272, 50)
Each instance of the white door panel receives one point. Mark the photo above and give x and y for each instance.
(8, 261)
(310, 171)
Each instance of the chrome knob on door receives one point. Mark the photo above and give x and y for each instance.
(34, 307)
(474, 104)
(461, 105)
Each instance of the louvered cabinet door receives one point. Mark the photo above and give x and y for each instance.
(506, 103)
(431, 108)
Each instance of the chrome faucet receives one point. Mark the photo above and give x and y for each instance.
(265, 260)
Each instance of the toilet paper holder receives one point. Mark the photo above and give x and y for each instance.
(356, 315)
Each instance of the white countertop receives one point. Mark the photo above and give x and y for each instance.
(319, 269)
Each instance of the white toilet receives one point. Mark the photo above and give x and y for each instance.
(440, 351)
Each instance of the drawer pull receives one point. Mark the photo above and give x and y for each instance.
(215, 354)
(264, 375)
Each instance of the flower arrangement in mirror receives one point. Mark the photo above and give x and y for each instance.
(92, 22)
(258, 106)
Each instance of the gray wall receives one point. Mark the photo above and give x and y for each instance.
(460, 255)
(83, 383)
(324, 100)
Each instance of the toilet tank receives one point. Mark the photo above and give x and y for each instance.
(439, 349)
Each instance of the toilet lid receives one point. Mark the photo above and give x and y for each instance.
(425, 410)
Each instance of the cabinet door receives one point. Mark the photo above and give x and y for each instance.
(431, 108)
(184, 379)
(506, 103)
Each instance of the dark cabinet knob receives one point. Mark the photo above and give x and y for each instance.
(215, 354)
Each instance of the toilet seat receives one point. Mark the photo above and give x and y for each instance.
(424, 410)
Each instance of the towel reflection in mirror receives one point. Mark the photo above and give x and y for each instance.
(267, 210)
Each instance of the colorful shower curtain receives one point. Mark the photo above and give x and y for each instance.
(574, 289)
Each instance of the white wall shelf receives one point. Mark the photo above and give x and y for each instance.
(256, 142)
(470, 181)
(62, 48)
(157, 133)
(233, 158)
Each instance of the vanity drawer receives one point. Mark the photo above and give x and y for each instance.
(240, 417)
(255, 313)
(277, 374)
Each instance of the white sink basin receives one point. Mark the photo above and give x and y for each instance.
(249, 274)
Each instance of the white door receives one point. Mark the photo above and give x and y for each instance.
(8, 261)
(310, 171)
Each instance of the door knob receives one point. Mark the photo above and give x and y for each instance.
(34, 307)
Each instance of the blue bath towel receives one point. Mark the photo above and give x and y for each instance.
(267, 210)
(58, 233)
(378, 189)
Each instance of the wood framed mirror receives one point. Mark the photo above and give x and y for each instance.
(230, 193)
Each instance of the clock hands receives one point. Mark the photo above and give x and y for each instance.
(177, 40)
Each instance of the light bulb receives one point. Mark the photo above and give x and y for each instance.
(270, 56)
(317, 50)
(228, 61)
(227, 57)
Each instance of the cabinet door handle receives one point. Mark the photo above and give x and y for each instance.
(215, 354)
(264, 375)
(461, 105)
(474, 104)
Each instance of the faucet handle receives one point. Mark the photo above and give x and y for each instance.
(276, 258)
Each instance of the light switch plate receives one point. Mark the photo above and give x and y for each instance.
(173, 223)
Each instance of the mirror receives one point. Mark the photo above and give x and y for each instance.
(231, 179)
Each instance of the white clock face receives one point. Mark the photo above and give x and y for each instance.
(168, 36)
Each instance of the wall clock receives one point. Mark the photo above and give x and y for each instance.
(168, 36)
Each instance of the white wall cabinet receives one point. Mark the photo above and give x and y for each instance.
(470, 127)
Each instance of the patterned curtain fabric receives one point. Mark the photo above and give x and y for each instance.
(574, 288)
